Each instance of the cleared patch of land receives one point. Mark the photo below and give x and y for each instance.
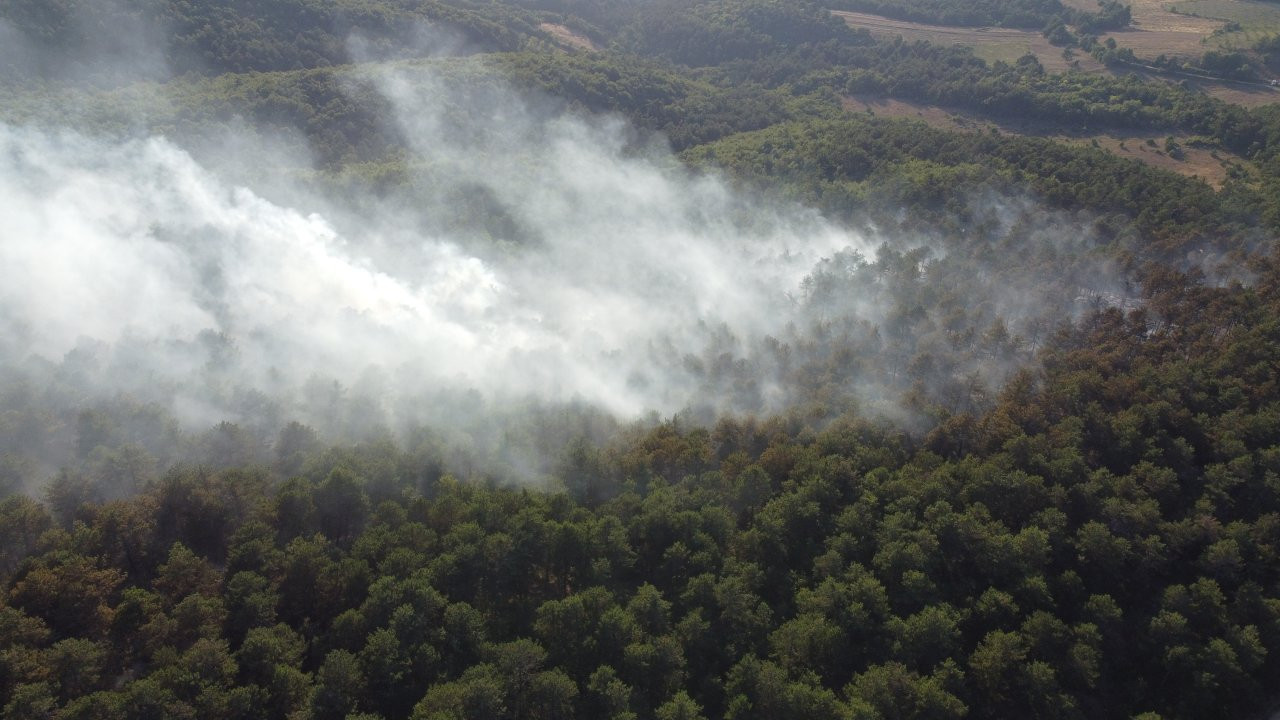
(1209, 164)
(566, 37)
(1147, 43)
(1189, 28)
(1156, 16)
(1256, 20)
(988, 43)
(930, 114)
(1245, 94)
(1156, 31)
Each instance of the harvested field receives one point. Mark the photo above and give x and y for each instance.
(1155, 16)
(1153, 43)
(1158, 31)
(1187, 28)
(1245, 12)
(1257, 20)
(1210, 165)
(988, 43)
(567, 38)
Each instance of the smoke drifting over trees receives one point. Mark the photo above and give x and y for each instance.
(541, 256)
(431, 359)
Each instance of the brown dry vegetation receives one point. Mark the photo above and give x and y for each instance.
(1148, 43)
(567, 38)
(1207, 164)
(1155, 16)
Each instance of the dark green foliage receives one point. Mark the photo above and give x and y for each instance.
(1227, 64)
(709, 33)
(859, 163)
(1096, 535)
(219, 36)
(1112, 523)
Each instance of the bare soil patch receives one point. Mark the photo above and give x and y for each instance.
(930, 114)
(568, 38)
(1207, 164)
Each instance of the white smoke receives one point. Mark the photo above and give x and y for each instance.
(112, 240)
(539, 259)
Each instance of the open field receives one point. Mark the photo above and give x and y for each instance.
(1148, 43)
(1156, 16)
(1158, 31)
(1246, 12)
(1191, 27)
(991, 44)
(1237, 93)
(1257, 20)
(1207, 164)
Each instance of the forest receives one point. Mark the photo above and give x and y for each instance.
(504, 359)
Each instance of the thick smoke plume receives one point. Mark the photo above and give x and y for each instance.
(539, 259)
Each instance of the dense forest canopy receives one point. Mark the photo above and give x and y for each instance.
(432, 359)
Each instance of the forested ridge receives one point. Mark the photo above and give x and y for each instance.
(1099, 544)
(1042, 480)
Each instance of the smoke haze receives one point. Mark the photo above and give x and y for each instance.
(541, 257)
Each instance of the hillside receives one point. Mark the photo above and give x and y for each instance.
(432, 359)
